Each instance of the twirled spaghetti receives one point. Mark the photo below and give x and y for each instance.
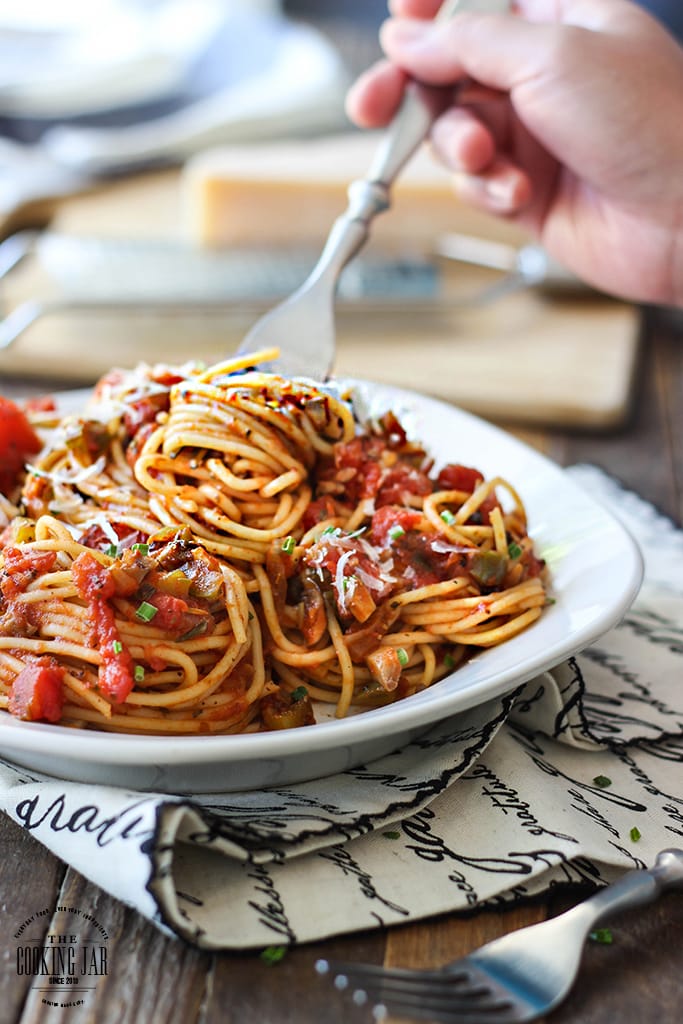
(213, 550)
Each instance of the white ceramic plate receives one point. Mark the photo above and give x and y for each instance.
(595, 569)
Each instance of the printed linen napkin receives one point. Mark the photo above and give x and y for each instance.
(572, 778)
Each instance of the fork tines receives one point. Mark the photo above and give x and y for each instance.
(462, 994)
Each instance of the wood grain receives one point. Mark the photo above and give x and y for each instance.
(30, 881)
(636, 979)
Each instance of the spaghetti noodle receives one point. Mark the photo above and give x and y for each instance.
(213, 550)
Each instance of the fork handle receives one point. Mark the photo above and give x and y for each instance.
(635, 889)
(420, 107)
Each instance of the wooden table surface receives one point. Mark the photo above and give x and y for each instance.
(153, 979)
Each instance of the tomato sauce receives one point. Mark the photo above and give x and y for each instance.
(95, 585)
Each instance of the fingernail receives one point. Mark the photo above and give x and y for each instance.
(500, 192)
(497, 193)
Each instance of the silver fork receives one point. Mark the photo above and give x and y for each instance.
(515, 978)
(302, 326)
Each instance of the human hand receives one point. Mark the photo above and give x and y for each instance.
(566, 119)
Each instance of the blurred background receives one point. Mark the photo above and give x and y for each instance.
(170, 168)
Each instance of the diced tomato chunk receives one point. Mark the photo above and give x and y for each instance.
(317, 511)
(455, 477)
(95, 584)
(389, 516)
(171, 612)
(37, 693)
(115, 677)
(399, 483)
(95, 537)
(377, 466)
(18, 440)
(93, 580)
(18, 560)
(21, 567)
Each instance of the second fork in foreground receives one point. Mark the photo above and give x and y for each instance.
(516, 978)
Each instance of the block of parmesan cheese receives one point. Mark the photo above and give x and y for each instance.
(285, 194)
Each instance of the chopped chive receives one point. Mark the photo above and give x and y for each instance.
(447, 517)
(402, 655)
(288, 545)
(273, 954)
(117, 646)
(449, 661)
(602, 935)
(391, 835)
(146, 611)
(602, 781)
(139, 674)
(396, 531)
(299, 693)
(142, 548)
(112, 550)
(634, 834)
(514, 550)
(331, 529)
(357, 533)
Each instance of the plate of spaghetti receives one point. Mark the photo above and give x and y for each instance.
(221, 579)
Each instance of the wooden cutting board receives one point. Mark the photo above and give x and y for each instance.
(526, 357)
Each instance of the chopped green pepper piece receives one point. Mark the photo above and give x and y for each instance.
(489, 568)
